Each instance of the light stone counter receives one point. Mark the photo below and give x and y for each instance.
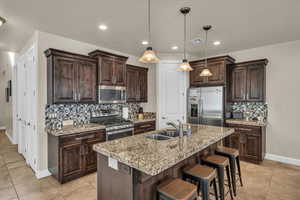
(245, 122)
(68, 130)
(154, 156)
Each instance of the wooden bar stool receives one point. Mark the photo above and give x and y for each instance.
(221, 163)
(176, 189)
(234, 159)
(205, 176)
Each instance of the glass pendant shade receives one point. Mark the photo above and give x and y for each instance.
(185, 66)
(206, 72)
(149, 56)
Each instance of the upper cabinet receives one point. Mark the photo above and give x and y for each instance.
(137, 84)
(71, 78)
(217, 65)
(111, 68)
(248, 81)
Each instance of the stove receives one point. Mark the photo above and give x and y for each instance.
(116, 126)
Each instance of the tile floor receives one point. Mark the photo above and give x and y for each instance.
(268, 181)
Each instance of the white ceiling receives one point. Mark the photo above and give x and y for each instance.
(239, 24)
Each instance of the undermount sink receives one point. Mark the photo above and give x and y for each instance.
(165, 134)
(157, 137)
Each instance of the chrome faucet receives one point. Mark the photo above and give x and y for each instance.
(178, 127)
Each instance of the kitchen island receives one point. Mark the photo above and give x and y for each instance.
(130, 168)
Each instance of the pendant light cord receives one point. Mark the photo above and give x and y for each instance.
(205, 48)
(149, 23)
(184, 42)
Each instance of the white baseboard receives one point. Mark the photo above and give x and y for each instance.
(282, 159)
(9, 137)
(42, 174)
(2, 128)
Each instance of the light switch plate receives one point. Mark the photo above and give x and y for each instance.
(113, 163)
(68, 122)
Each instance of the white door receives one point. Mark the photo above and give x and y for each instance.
(171, 90)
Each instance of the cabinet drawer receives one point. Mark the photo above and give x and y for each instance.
(144, 127)
(85, 136)
(246, 129)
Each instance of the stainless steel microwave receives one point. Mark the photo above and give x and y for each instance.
(112, 94)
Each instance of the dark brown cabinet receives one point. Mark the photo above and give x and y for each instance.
(217, 65)
(111, 68)
(71, 78)
(144, 127)
(248, 81)
(137, 84)
(72, 156)
(250, 140)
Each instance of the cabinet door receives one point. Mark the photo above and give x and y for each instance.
(64, 80)
(87, 76)
(91, 156)
(255, 83)
(218, 73)
(143, 85)
(119, 77)
(106, 71)
(251, 146)
(132, 85)
(71, 161)
(195, 78)
(234, 141)
(239, 84)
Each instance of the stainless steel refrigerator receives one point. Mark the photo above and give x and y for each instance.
(206, 105)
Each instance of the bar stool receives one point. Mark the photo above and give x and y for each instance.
(205, 176)
(221, 163)
(176, 189)
(234, 159)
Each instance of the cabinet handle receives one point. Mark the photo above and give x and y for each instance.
(79, 96)
(85, 137)
(74, 96)
(145, 126)
(244, 129)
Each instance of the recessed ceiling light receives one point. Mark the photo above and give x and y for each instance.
(216, 43)
(145, 42)
(102, 27)
(2, 21)
(174, 47)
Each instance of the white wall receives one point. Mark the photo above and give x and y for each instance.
(6, 70)
(283, 95)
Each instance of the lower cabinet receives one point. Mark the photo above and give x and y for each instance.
(144, 127)
(250, 140)
(72, 156)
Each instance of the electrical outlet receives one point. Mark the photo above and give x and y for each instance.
(68, 122)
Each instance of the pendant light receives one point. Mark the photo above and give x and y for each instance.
(206, 72)
(185, 65)
(149, 55)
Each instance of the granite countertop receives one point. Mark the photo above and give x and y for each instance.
(154, 156)
(68, 130)
(136, 121)
(245, 122)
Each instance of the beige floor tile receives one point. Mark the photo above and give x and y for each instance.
(5, 180)
(21, 175)
(72, 186)
(8, 193)
(10, 157)
(13, 165)
(86, 193)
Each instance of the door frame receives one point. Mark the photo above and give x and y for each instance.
(158, 87)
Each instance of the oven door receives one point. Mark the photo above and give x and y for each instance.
(116, 134)
(112, 94)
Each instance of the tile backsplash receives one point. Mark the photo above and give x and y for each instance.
(252, 109)
(57, 113)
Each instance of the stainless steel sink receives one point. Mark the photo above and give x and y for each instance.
(157, 137)
(169, 133)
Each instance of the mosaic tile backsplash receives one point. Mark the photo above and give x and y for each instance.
(253, 110)
(81, 113)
